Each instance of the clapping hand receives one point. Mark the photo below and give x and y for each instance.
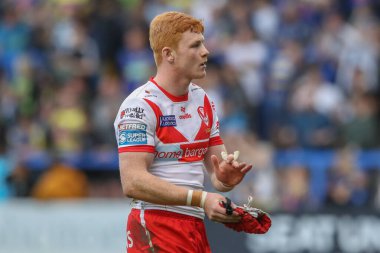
(229, 171)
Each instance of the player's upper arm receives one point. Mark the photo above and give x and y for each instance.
(135, 126)
(133, 166)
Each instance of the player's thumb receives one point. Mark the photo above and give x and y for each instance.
(215, 161)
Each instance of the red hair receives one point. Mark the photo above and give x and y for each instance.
(166, 31)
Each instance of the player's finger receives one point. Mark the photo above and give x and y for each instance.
(225, 220)
(220, 217)
(246, 168)
(230, 158)
(220, 213)
(241, 165)
(230, 220)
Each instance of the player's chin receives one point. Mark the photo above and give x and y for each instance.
(199, 75)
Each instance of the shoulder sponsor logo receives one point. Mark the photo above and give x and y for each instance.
(133, 112)
(148, 94)
(132, 134)
(194, 87)
(203, 115)
(168, 121)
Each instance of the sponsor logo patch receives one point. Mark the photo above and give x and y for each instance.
(191, 152)
(132, 126)
(170, 155)
(132, 134)
(133, 112)
(194, 151)
(185, 116)
(149, 94)
(167, 121)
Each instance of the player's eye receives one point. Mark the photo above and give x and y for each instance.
(195, 45)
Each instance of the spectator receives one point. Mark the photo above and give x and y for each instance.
(362, 127)
(14, 39)
(135, 59)
(294, 188)
(108, 98)
(61, 182)
(314, 128)
(69, 119)
(5, 167)
(348, 185)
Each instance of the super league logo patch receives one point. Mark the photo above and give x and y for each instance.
(132, 134)
(168, 121)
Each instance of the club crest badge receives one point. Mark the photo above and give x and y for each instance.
(203, 115)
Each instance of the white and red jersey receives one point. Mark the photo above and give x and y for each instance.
(178, 130)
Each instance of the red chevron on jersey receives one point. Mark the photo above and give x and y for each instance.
(167, 134)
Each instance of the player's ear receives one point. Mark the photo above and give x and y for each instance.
(168, 54)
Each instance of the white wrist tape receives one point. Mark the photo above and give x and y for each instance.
(236, 155)
(225, 155)
(203, 200)
(189, 197)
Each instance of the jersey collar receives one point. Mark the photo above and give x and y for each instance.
(173, 98)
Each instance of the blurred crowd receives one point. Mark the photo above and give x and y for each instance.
(296, 84)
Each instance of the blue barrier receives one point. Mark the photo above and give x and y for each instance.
(317, 162)
(108, 160)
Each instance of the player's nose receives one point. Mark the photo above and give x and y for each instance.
(205, 52)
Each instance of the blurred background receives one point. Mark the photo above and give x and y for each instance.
(296, 84)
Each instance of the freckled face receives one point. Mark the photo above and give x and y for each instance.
(191, 55)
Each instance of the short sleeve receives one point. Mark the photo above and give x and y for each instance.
(135, 126)
(215, 138)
